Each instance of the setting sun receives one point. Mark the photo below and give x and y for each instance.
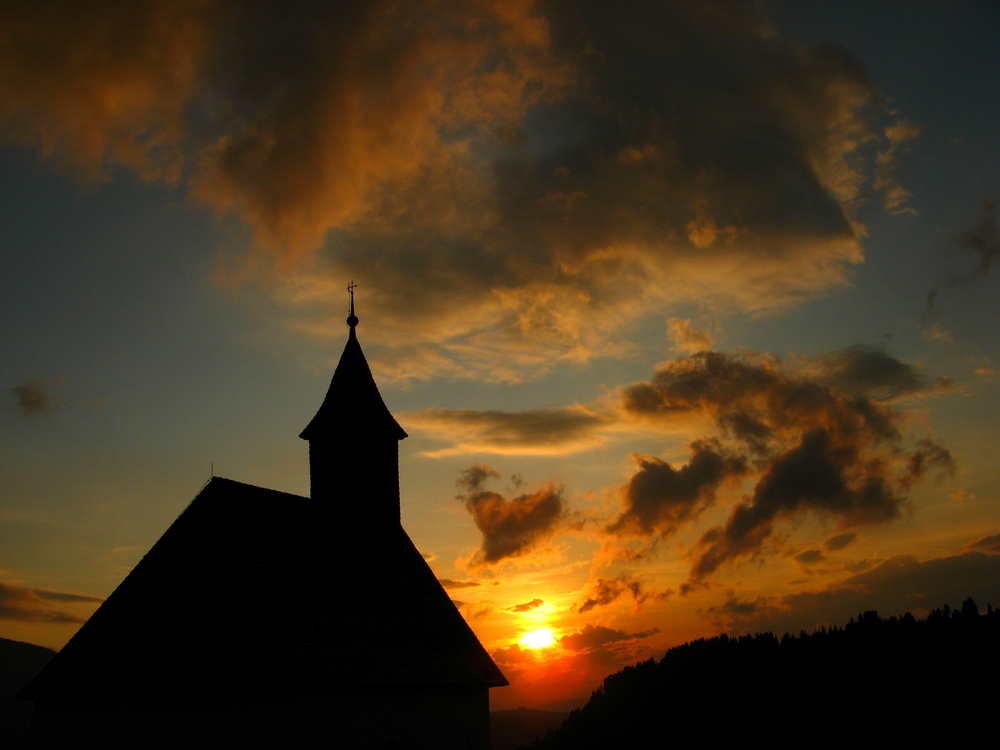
(538, 638)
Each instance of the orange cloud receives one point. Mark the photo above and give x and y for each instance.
(685, 338)
(553, 172)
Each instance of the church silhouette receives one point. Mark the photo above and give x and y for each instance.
(266, 619)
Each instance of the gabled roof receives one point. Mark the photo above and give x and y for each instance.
(352, 401)
(256, 591)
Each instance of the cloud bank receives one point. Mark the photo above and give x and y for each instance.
(528, 161)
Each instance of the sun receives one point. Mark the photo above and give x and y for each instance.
(538, 638)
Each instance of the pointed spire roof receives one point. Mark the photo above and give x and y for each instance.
(353, 403)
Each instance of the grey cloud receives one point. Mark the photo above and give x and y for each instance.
(525, 607)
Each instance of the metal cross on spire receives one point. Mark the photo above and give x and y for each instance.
(352, 319)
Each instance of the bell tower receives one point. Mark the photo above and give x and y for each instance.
(354, 444)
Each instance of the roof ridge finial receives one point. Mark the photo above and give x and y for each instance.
(352, 319)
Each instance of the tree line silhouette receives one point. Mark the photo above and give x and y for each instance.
(876, 682)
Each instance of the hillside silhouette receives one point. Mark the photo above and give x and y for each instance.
(875, 682)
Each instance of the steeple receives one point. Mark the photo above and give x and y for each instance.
(354, 443)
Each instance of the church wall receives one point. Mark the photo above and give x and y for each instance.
(425, 719)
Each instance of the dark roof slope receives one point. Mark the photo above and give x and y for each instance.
(352, 401)
(254, 590)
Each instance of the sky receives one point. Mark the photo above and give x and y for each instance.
(688, 308)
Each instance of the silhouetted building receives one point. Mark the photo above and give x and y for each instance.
(265, 619)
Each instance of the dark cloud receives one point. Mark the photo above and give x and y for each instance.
(448, 583)
(869, 372)
(927, 455)
(533, 431)
(603, 591)
(735, 608)
(810, 557)
(58, 596)
(659, 498)
(525, 607)
(982, 244)
(510, 528)
(33, 397)
(818, 438)
(840, 541)
(592, 637)
(31, 605)
(526, 160)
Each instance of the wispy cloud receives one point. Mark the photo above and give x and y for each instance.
(591, 637)
(549, 431)
(33, 605)
(894, 195)
(981, 243)
(603, 591)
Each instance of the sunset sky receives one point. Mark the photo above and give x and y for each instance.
(688, 308)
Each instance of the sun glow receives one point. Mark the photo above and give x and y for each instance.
(538, 638)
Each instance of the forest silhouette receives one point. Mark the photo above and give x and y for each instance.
(876, 682)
